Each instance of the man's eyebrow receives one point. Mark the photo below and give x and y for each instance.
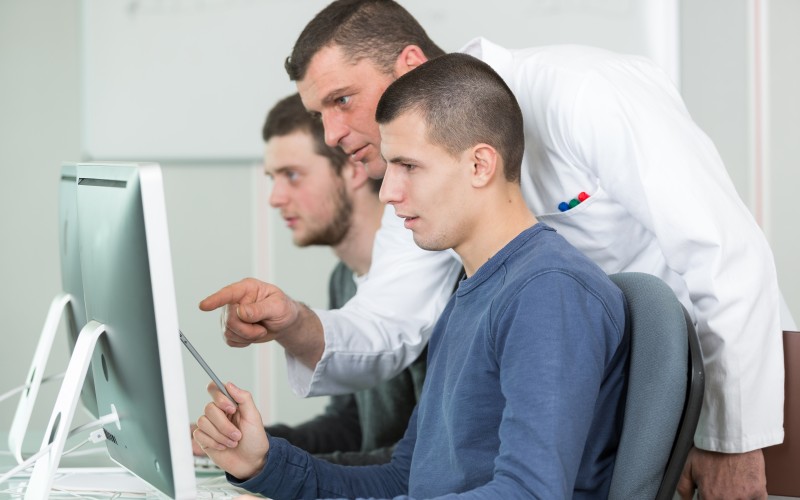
(401, 159)
(279, 170)
(336, 93)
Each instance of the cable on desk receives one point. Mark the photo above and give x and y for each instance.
(94, 436)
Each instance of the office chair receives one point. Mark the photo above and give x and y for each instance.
(665, 391)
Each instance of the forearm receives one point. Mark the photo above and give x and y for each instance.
(741, 340)
(293, 473)
(304, 339)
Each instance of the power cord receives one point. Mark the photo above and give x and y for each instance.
(97, 435)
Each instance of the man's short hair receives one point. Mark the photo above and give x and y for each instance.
(464, 103)
(378, 30)
(289, 116)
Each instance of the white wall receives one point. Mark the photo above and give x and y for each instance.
(39, 128)
(783, 144)
(193, 78)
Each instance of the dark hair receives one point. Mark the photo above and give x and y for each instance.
(463, 102)
(378, 30)
(289, 116)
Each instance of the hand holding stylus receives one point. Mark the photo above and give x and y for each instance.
(233, 436)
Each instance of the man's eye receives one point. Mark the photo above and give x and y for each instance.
(408, 166)
(343, 100)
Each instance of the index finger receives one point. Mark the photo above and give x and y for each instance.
(231, 294)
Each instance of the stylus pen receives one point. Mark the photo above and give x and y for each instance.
(205, 366)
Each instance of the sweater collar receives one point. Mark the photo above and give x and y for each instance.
(496, 262)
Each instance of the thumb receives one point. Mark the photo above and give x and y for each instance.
(272, 305)
(254, 312)
(247, 407)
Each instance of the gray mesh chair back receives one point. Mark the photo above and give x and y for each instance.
(665, 391)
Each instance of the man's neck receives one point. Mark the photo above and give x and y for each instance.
(355, 250)
(497, 224)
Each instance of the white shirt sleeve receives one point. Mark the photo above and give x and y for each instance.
(387, 324)
(632, 129)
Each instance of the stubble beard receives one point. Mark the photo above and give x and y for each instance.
(335, 231)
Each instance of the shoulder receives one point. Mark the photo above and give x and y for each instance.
(551, 274)
(551, 74)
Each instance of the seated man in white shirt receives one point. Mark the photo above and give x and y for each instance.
(605, 130)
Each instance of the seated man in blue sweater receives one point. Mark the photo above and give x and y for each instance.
(527, 364)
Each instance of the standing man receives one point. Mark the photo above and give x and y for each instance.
(326, 199)
(527, 366)
(650, 194)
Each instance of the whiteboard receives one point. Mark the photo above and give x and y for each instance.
(193, 79)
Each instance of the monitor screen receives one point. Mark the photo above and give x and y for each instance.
(128, 287)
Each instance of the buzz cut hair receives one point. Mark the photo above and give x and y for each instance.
(463, 102)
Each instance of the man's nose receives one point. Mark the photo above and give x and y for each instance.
(335, 129)
(391, 189)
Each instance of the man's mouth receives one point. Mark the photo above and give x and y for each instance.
(408, 220)
(291, 222)
(358, 154)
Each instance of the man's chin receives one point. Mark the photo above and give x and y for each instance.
(429, 245)
(301, 241)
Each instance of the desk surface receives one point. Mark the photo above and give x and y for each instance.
(95, 476)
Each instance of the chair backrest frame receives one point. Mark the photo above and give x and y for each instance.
(655, 444)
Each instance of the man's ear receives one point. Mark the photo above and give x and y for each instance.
(411, 57)
(354, 174)
(485, 164)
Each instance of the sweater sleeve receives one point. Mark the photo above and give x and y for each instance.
(292, 473)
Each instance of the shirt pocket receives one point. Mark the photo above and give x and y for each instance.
(604, 231)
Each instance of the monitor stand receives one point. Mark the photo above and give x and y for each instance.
(63, 412)
(19, 426)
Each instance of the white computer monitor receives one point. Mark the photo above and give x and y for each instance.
(131, 334)
(66, 308)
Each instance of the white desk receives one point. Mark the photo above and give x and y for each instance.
(95, 476)
(114, 483)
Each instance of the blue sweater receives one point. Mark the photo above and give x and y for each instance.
(523, 397)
